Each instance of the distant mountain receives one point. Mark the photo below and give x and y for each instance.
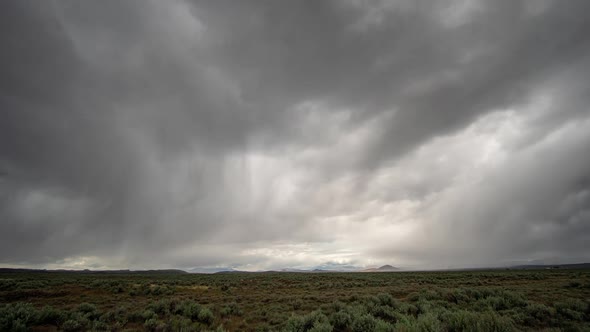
(330, 268)
(167, 271)
(326, 267)
(551, 266)
(384, 268)
(209, 270)
(233, 271)
(292, 270)
(335, 267)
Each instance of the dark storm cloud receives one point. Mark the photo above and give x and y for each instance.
(437, 78)
(55, 134)
(536, 206)
(132, 129)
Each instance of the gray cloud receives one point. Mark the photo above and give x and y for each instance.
(201, 133)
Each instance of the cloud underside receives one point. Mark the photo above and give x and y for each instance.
(261, 135)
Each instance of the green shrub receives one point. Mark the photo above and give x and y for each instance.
(315, 321)
(383, 326)
(19, 326)
(386, 299)
(86, 308)
(116, 289)
(407, 324)
(179, 323)
(572, 309)
(385, 312)
(220, 329)
(7, 284)
(17, 316)
(423, 306)
(470, 321)
(459, 321)
(338, 306)
(135, 316)
(161, 307)
(457, 296)
(429, 323)
(72, 325)
(512, 300)
(429, 295)
(536, 314)
(118, 315)
(148, 314)
(89, 311)
(356, 310)
(297, 304)
(492, 322)
(569, 314)
(205, 316)
(189, 309)
(341, 320)
(50, 315)
(321, 327)
(231, 309)
(364, 322)
(263, 328)
(151, 324)
(574, 284)
(100, 326)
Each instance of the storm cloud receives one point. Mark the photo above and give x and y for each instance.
(270, 134)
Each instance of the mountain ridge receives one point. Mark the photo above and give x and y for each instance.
(383, 268)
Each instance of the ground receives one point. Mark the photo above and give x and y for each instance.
(494, 300)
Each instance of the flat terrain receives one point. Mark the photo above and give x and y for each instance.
(495, 300)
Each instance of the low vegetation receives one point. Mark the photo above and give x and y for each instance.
(511, 300)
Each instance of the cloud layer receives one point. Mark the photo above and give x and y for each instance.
(267, 134)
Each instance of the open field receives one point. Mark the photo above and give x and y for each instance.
(495, 300)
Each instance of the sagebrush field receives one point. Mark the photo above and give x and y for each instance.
(495, 300)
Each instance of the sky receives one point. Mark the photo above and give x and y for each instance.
(291, 134)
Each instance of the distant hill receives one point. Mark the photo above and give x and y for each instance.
(209, 270)
(235, 271)
(551, 266)
(384, 268)
(291, 270)
(335, 267)
(167, 271)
